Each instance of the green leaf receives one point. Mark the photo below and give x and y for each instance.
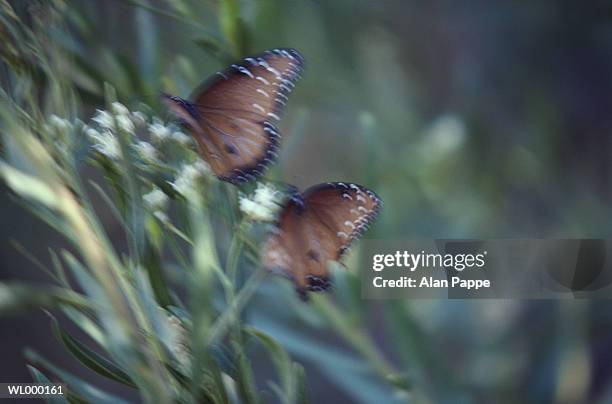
(225, 320)
(39, 377)
(233, 26)
(85, 322)
(343, 369)
(244, 376)
(87, 282)
(35, 261)
(60, 274)
(217, 380)
(289, 373)
(109, 202)
(152, 263)
(28, 186)
(79, 386)
(89, 358)
(300, 375)
(17, 297)
(114, 326)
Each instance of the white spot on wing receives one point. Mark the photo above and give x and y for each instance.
(263, 80)
(243, 70)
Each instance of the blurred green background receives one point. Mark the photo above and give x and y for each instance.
(475, 119)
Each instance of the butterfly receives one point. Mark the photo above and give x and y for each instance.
(316, 227)
(233, 115)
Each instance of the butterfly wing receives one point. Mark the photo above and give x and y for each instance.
(233, 116)
(286, 238)
(333, 216)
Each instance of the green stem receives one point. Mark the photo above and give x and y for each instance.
(223, 322)
(356, 337)
(234, 253)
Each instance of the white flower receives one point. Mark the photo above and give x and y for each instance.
(61, 124)
(263, 205)
(146, 150)
(155, 200)
(104, 142)
(201, 167)
(181, 138)
(119, 109)
(104, 119)
(139, 118)
(265, 195)
(125, 123)
(91, 133)
(186, 179)
(159, 131)
(255, 211)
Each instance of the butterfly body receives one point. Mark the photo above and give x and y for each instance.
(233, 115)
(318, 227)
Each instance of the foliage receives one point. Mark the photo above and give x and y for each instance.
(152, 311)
(479, 119)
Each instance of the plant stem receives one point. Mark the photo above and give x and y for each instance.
(356, 337)
(221, 324)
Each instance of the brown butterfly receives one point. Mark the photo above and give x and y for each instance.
(233, 116)
(316, 227)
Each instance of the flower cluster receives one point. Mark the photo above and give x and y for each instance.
(106, 125)
(263, 205)
(161, 133)
(188, 176)
(59, 125)
(59, 129)
(103, 132)
(156, 202)
(150, 138)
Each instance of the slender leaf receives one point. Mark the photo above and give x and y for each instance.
(283, 363)
(89, 358)
(39, 377)
(74, 383)
(17, 297)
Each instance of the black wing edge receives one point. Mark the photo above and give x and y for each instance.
(365, 224)
(315, 283)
